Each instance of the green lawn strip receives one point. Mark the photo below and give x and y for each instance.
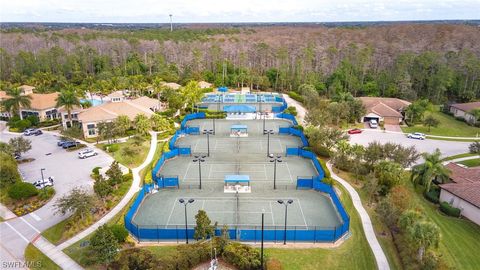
(381, 230)
(451, 140)
(471, 162)
(38, 260)
(459, 156)
(58, 233)
(354, 253)
(459, 243)
(131, 161)
(448, 126)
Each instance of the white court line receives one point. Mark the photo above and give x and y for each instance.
(171, 213)
(265, 170)
(34, 216)
(240, 170)
(301, 211)
(203, 205)
(232, 212)
(289, 173)
(271, 211)
(17, 232)
(196, 145)
(186, 171)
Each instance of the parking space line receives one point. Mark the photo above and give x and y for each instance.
(34, 216)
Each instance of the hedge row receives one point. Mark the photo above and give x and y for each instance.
(295, 96)
(432, 196)
(449, 210)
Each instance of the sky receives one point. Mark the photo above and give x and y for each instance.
(211, 11)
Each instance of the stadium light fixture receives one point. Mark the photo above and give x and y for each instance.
(199, 159)
(268, 132)
(208, 132)
(185, 203)
(275, 160)
(286, 203)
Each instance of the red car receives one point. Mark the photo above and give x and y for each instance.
(355, 131)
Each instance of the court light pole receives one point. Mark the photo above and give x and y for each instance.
(275, 160)
(264, 114)
(43, 179)
(213, 119)
(182, 201)
(208, 132)
(199, 159)
(261, 248)
(286, 203)
(268, 132)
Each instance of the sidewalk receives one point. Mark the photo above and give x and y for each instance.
(432, 136)
(131, 192)
(380, 258)
(60, 258)
(5, 213)
(460, 159)
(301, 111)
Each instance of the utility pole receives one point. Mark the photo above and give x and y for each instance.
(171, 23)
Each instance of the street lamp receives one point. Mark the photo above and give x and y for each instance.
(264, 114)
(261, 248)
(43, 179)
(268, 132)
(199, 159)
(286, 203)
(213, 119)
(208, 132)
(182, 201)
(275, 160)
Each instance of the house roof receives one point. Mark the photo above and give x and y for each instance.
(465, 183)
(26, 88)
(384, 107)
(469, 192)
(111, 110)
(146, 102)
(116, 94)
(204, 84)
(466, 107)
(43, 101)
(459, 174)
(3, 95)
(174, 86)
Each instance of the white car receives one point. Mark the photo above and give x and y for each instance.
(42, 183)
(87, 153)
(416, 135)
(373, 123)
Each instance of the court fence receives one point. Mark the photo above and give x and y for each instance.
(294, 132)
(288, 116)
(314, 234)
(192, 116)
(283, 107)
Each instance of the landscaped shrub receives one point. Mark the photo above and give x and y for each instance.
(192, 255)
(33, 120)
(111, 148)
(119, 232)
(22, 190)
(328, 181)
(47, 193)
(22, 124)
(299, 127)
(295, 96)
(9, 171)
(449, 210)
(96, 170)
(432, 195)
(242, 256)
(322, 151)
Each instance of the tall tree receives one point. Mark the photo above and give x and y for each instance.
(204, 228)
(104, 245)
(431, 169)
(15, 101)
(68, 99)
(78, 201)
(20, 145)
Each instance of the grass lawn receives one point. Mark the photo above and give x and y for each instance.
(38, 260)
(471, 162)
(128, 153)
(458, 245)
(459, 156)
(354, 253)
(448, 126)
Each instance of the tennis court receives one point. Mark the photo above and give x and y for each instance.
(309, 209)
(255, 127)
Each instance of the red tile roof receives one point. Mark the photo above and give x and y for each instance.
(465, 183)
(467, 107)
(460, 174)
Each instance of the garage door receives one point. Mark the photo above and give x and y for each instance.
(391, 120)
(367, 119)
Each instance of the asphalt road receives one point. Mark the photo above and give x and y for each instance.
(68, 171)
(448, 148)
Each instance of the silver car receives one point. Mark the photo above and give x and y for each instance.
(87, 153)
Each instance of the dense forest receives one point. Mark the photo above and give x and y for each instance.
(439, 62)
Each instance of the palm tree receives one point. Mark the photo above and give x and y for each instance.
(69, 100)
(15, 101)
(158, 87)
(431, 169)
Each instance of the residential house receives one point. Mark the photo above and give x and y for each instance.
(387, 110)
(117, 96)
(463, 191)
(89, 118)
(43, 106)
(24, 89)
(204, 84)
(172, 85)
(63, 115)
(464, 110)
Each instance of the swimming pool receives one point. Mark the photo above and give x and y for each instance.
(95, 102)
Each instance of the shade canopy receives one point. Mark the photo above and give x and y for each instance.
(238, 127)
(239, 108)
(222, 89)
(237, 178)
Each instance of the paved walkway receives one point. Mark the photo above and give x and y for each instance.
(5, 213)
(301, 111)
(380, 258)
(134, 188)
(60, 258)
(460, 159)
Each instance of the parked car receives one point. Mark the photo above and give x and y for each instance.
(354, 131)
(29, 131)
(70, 144)
(37, 132)
(42, 183)
(416, 135)
(87, 153)
(62, 141)
(373, 123)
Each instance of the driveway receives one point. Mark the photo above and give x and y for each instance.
(448, 148)
(68, 171)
